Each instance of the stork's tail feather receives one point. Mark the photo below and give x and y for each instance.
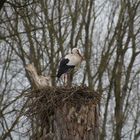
(58, 75)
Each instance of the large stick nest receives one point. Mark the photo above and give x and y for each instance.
(43, 102)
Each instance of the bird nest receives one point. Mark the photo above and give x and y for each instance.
(43, 102)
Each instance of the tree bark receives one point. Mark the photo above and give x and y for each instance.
(64, 113)
(73, 123)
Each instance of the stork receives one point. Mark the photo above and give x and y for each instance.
(69, 62)
(40, 81)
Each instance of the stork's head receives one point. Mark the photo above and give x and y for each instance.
(77, 51)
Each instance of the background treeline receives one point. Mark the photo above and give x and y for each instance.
(42, 31)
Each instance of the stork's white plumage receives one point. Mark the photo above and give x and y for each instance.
(70, 61)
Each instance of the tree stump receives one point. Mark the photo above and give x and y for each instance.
(62, 113)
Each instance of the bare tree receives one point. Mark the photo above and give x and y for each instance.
(42, 32)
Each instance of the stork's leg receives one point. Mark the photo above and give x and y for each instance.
(65, 79)
(60, 81)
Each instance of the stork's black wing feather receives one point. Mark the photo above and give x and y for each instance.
(63, 62)
(63, 67)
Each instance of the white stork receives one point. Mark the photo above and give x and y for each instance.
(70, 61)
(40, 81)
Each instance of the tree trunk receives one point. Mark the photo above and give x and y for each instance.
(70, 123)
(66, 114)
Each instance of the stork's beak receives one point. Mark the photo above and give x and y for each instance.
(83, 58)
